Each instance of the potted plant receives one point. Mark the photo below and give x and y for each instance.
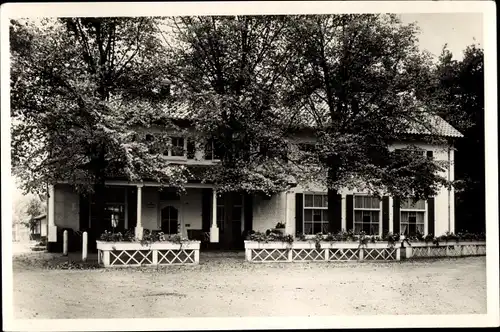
(280, 227)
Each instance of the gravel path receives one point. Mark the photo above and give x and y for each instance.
(225, 285)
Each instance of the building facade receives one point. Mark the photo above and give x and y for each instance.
(201, 213)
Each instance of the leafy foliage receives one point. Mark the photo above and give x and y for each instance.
(344, 65)
(458, 92)
(71, 82)
(228, 71)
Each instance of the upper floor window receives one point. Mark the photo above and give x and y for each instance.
(213, 150)
(412, 217)
(315, 213)
(177, 147)
(367, 214)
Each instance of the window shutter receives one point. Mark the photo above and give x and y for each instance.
(248, 211)
(334, 213)
(396, 203)
(206, 209)
(299, 212)
(430, 216)
(349, 200)
(385, 215)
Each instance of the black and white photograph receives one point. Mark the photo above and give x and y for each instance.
(249, 165)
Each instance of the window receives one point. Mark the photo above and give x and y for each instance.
(367, 214)
(114, 210)
(191, 149)
(412, 217)
(430, 155)
(315, 213)
(177, 149)
(213, 150)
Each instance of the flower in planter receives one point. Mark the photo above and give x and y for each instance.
(280, 225)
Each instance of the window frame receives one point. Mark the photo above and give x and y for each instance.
(413, 209)
(113, 203)
(379, 210)
(312, 208)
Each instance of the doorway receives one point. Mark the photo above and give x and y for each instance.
(169, 220)
(229, 220)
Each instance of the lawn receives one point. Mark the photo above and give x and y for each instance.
(226, 285)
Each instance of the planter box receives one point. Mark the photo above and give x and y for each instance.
(446, 249)
(115, 254)
(300, 251)
(306, 251)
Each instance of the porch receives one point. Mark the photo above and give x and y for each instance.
(218, 221)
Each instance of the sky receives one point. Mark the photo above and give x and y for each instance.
(458, 30)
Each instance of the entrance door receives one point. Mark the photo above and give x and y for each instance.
(169, 220)
(229, 217)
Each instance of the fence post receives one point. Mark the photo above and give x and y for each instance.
(84, 246)
(361, 254)
(327, 254)
(248, 254)
(65, 243)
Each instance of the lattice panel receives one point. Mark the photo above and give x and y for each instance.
(379, 254)
(308, 255)
(454, 251)
(419, 252)
(183, 256)
(437, 252)
(269, 255)
(130, 257)
(481, 250)
(343, 254)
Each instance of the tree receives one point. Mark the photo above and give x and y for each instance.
(459, 94)
(34, 208)
(72, 80)
(363, 79)
(229, 72)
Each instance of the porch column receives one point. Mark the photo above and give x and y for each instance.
(51, 216)
(138, 227)
(214, 230)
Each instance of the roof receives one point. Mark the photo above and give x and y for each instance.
(440, 127)
(180, 111)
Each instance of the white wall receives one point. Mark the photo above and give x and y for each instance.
(66, 207)
(441, 200)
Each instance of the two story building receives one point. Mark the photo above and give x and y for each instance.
(203, 214)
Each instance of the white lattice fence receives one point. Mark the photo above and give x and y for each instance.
(448, 250)
(341, 254)
(308, 255)
(380, 254)
(481, 250)
(270, 255)
(309, 252)
(134, 254)
(170, 257)
(130, 257)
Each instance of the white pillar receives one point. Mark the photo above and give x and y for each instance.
(51, 216)
(138, 227)
(84, 246)
(65, 243)
(214, 230)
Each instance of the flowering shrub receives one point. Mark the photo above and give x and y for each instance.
(270, 237)
(147, 237)
(362, 237)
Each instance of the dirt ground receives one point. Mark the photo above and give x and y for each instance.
(225, 285)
